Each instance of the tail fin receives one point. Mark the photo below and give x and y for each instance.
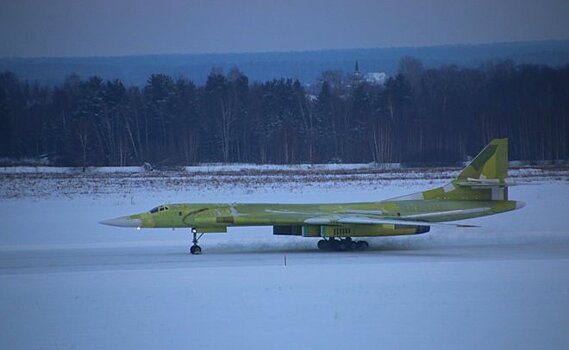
(490, 164)
(483, 179)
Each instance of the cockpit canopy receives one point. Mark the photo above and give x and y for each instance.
(159, 208)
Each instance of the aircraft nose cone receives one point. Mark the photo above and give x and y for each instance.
(123, 221)
(520, 204)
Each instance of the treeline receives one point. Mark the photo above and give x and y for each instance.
(420, 115)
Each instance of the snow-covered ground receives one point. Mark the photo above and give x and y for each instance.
(67, 282)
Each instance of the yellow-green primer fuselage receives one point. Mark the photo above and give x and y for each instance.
(479, 190)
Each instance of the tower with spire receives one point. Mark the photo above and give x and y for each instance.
(356, 76)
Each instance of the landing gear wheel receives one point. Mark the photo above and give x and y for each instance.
(195, 250)
(362, 245)
(334, 244)
(324, 245)
(346, 244)
(343, 245)
(353, 245)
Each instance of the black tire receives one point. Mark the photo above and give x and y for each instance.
(362, 245)
(196, 250)
(343, 245)
(323, 245)
(353, 245)
(334, 244)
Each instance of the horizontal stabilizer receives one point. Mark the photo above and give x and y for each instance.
(488, 183)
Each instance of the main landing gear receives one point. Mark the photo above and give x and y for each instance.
(343, 245)
(195, 249)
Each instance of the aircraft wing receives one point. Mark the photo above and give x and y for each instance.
(368, 220)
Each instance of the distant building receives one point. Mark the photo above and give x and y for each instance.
(374, 78)
(311, 97)
(357, 70)
(356, 76)
(377, 78)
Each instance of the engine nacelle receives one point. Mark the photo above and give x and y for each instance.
(371, 230)
(356, 230)
(287, 230)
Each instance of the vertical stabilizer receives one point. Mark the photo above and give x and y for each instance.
(483, 179)
(490, 164)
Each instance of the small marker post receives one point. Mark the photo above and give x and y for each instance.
(285, 260)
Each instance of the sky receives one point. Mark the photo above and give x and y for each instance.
(30, 28)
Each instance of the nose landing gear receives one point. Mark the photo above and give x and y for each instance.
(195, 249)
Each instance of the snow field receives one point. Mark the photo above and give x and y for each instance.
(364, 303)
(67, 282)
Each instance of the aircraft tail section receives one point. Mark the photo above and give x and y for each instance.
(483, 179)
(490, 164)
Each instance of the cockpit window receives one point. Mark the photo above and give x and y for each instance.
(157, 209)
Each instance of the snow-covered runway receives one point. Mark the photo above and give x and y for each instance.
(160, 257)
(68, 283)
(496, 296)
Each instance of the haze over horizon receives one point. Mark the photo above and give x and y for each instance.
(60, 28)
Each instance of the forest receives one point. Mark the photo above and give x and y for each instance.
(421, 115)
